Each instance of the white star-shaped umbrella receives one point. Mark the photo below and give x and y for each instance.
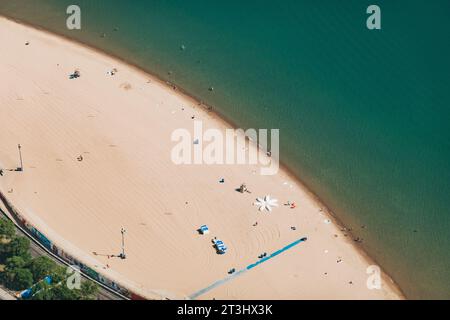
(266, 203)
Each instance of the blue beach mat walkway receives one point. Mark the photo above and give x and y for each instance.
(240, 272)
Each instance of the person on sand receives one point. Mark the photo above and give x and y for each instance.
(243, 188)
(1, 172)
(112, 72)
(75, 75)
(80, 158)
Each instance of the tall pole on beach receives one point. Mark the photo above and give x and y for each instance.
(122, 255)
(20, 157)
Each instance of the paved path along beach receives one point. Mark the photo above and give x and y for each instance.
(4, 295)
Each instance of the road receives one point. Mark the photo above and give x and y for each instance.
(4, 295)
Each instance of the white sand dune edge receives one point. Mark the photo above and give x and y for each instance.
(121, 125)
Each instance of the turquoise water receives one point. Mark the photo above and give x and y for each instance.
(364, 115)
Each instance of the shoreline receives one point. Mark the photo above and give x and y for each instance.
(217, 116)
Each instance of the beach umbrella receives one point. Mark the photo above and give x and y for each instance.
(266, 203)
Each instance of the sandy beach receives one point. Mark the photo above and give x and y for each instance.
(121, 126)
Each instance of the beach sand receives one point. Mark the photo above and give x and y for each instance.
(121, 125)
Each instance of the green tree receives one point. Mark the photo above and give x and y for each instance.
(88, 291)
(23, 279)
(7, 229)
(62, 292)
(14, 263)
(54, 291)
(18, 246)
(15, 275)
(58, 289)
(41, 267)
(59, 274)
(18, 279)
(41, 291)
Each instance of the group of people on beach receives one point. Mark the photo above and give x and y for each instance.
(76, 74)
